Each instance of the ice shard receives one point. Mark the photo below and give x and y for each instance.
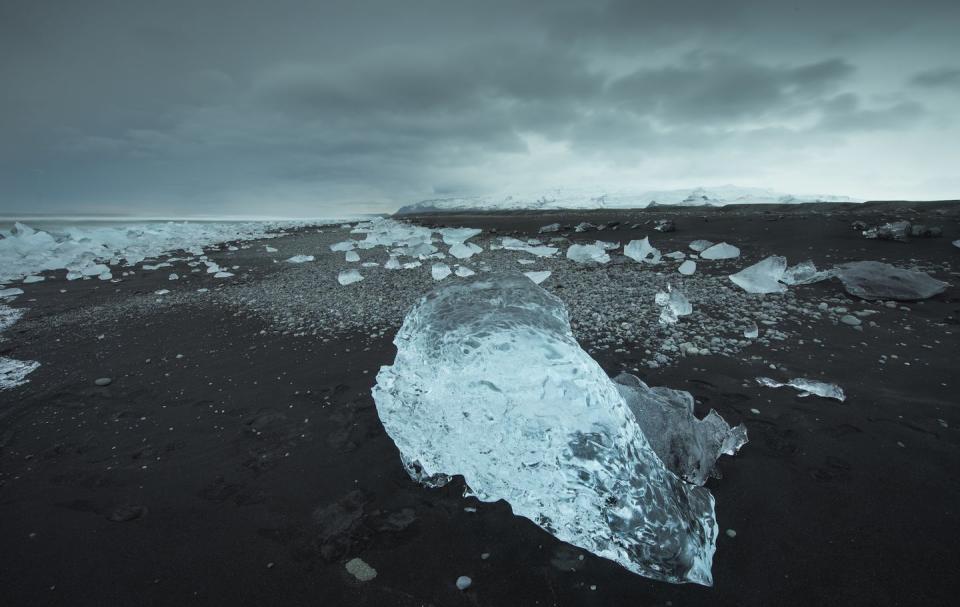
(763, 276)
(807, 387)
(803, 273)
(720, 251)
(490, 383)
(465, 250)
(439, 271)
(700, 245)
(875, 280)
(588, 253)
(687, 268)
(348, 277)
(673, 304)
(688, 446)
(642, 250)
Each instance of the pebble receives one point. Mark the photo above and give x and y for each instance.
(464, 582)
(103, 381)
(360, 570)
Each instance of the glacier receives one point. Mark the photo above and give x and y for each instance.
(489, 383)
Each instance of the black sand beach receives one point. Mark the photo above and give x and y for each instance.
(232, 462)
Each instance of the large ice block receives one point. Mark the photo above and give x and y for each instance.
(490, 383)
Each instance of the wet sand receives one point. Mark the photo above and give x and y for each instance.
(231, 464)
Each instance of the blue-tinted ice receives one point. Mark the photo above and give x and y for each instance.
(490, 383)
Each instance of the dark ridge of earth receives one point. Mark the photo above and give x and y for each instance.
(250, 469)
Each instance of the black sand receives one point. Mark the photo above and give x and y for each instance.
(249, 470)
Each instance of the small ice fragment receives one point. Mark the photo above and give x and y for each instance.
(700, 245)
(31, 279)
(463, 582)
(173, 276)
(731, 533)
(588, 253)
(956, 243)
(301, 258)
(720, 251)
(464, 271)
(642, 250)
(411, 265)
(538, 277)
(763, 276)
(688, 267)
(583, 227)
(346, 245)
(11, 292)
(223, 275)
(269, 249)
(347, 277)
(161, 292)
(452, 236)
(14, 372)
(526, 262)
(464, 250)
(752, 331)
(676, 255)
(674, 304)
(803, 273)
(349, 256)
(392, 264)
(547, 229)
(360, 570)
(807, 387)
(439, 271)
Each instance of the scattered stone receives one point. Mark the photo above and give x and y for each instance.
(360, 570)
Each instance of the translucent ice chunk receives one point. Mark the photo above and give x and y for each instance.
(490, 383)
(538, 277)
(452, 236)
(547, 229)
(587, 253)
(803, 273)
(464, 271)
(392, 264)
(304, 258)
(700, 245)
(349, 257)
(807, 387)
(513, 244)
(720, 251)
(439, 271)
(688, 446)
(752, 331)
(688, 267)
(14, 372)
(346, 245)
(642, 250)
(32, 279)
(763, 276)
(875, 280)
(673, 304)
(11, 292)
(464, 250)
(348, 277)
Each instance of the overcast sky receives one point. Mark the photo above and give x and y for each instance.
(290, 107)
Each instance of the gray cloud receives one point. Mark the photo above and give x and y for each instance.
(295, 106)
(944, 77)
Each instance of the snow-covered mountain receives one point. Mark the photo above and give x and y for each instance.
(564, 198)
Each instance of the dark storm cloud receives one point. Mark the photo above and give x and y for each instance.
(223, 103)
(725, 88)
(945, 77)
